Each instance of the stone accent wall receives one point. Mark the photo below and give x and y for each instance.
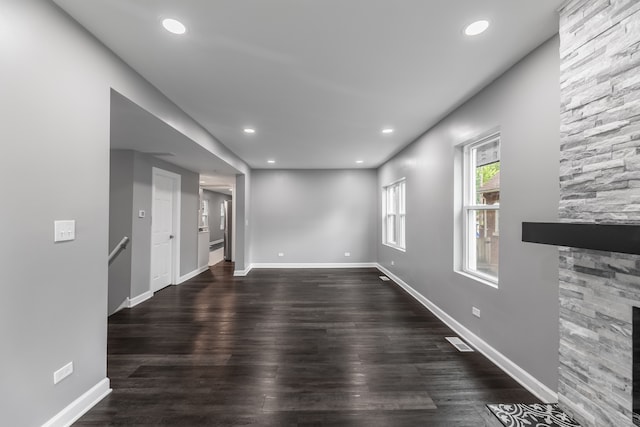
(600, 182)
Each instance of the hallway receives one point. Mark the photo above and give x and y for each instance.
(292, 347)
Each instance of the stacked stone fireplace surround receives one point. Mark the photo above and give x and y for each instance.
(600, 183)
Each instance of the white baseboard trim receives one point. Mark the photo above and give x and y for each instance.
(191, 275)
(541, 391)
(243, 273)
(125, 304)
(216, 256)
(316, 265)
(139, 299)
(80, 406)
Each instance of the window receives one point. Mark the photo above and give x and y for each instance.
(394, 213)
(204, 214)
(481, 207)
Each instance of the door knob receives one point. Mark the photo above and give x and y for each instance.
(171, 236)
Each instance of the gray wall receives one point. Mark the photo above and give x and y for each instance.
(520, 319)
(242, 258)
(189, 204)
(313, 216)
(56, 82)
(215, 199)
(131, 177)
(120, 225)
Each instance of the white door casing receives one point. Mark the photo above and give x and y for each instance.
(164, 229)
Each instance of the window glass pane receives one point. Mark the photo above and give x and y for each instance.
(391, 229)
(487, 152)
(487, 184)
(484, 241)
(484, 169)
(204, 214)
(393, 199)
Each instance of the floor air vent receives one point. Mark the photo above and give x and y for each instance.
(384, 278)
(458, 344)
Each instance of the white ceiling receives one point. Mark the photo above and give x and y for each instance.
(133, 128)
(218, 183)
(318, 79)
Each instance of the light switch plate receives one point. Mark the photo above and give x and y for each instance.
(64, 230)
(141, 213)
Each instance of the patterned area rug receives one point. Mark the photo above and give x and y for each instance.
(534, 415)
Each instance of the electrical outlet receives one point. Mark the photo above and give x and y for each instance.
(63, 373)
(475, 311)
(347, 254)
(280, 254)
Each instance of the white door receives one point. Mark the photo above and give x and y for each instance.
(162, 230)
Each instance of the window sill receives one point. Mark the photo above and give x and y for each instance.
(478, 279)
(398, 248)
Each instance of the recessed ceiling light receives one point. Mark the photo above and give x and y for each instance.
(359, 161)
(271, 161)
(249, 130)
(387, 130)
(174, 26)
(476, 28)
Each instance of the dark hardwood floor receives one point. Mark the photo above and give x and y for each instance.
(292, 348)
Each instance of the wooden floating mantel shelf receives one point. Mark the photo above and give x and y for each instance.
(601, 237)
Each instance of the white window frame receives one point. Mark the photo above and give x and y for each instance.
(470, 207)
(394, 214)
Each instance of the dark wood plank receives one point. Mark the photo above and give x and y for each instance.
(292, 348)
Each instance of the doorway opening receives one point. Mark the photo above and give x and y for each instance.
(216, 218)
(142, 145)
